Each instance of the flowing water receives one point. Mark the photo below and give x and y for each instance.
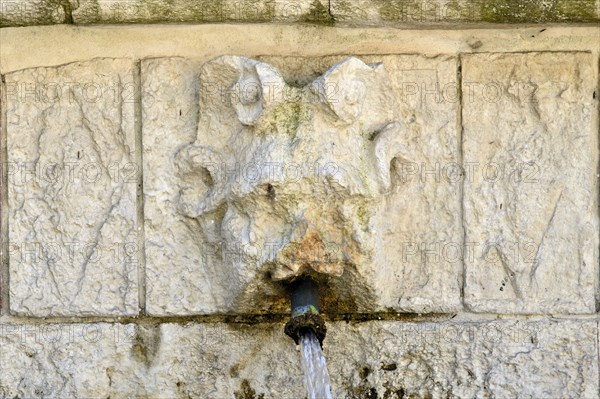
(316, 377)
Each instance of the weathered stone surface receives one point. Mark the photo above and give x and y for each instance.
(510, 11)
(537, 359)
(420, 262)
(418, 267)
(546, 359)
(2, 210)
(369, 12)
(127, 11)
(377, 12)
(36, 12)
(67, 360)
(72, 189)
(229, 215)
(176, 282)
(530, 153)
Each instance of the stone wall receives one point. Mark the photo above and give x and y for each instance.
(161, 183)
(323, 12)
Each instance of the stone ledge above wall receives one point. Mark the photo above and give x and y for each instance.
(323, 12)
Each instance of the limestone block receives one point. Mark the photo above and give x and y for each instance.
(420, 240)
(176, 283)
(264, 181)
(534, 359)
(68, 360)
(72, 181)
(501, 359)
(35, 12)
(128, 11)
(322, 12)
(530, 157)
(377, 12)
(2, 217)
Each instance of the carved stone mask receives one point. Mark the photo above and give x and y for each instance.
(288, 178)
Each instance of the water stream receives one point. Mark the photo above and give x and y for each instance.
(316, 377)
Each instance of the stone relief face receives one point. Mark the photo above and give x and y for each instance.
(285, 180)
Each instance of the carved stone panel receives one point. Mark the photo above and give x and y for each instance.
(530, 152)
(73, 241)
(256, 174)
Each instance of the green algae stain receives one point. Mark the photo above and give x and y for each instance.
(532, 11)
(497, 11)
(363, 216)
(318, 14)
(284, 119)
(407, 11)
(156, 11)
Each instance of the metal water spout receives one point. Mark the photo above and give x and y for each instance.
(307, 328)
(305, 311)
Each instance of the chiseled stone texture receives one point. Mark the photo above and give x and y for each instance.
(234, 235)
(175, 282)
(2, 210)
(132, 11)
(378, 12)
(419, 263)
(35, 12)
(530, 153)
(327, 12)
(72, 189)
(529, 359)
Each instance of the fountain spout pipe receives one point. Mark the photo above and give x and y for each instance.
(305, 311)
